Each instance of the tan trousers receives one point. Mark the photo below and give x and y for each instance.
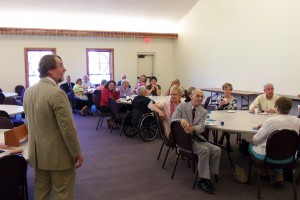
(60, 182)
(208, 158)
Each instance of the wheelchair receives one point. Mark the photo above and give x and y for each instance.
(146, 126)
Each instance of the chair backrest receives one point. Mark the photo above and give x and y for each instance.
(206, 102)
(13, 177)
(3, 113)
(161, 129)
(183, 140)
(282, 144)
(97, 92)
(97, 98)
(11, 101)
(5, 123)
(2, 98)
(114, 109)
(22, 95)
(160, 126)
(19, 89)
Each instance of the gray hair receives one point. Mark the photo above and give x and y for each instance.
(140, 90)
(124, 80)
(267, 84)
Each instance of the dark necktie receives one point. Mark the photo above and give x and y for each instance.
(70, 86)
(193, 113)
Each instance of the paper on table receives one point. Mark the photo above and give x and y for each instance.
(210, 123)
(211, 120)
(265, 113)
(231, 111)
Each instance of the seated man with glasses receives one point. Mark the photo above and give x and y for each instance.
(265, 102)
(192, 117)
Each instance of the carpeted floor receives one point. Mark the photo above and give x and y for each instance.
(117, 167)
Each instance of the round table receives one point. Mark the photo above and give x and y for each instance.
(241, 121)
(10, 94)
(12, 109)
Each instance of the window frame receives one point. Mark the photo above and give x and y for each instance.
(111, 52)
(26, 50)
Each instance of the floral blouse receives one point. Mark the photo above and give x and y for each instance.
(232, 105)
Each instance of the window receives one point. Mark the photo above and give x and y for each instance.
(32, 59)
(100, 64)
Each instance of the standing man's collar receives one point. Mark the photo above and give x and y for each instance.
(52, 80)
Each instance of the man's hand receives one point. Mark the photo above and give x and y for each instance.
(78, 161)
(189, 129)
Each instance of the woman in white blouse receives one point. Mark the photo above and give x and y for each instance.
(283, 106)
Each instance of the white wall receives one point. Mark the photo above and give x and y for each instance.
(73, 52)
(247, 43)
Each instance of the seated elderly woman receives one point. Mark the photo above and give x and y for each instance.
(283, 106)
(174, 82)
(142, 82)
(124, 88)
(80, 97)
(226, 102)
(153, 89)
(169, 106)
(142, 104)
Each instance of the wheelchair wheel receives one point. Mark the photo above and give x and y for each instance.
(147, 127)
(127, 126)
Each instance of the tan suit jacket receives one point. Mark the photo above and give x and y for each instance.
(53, 141)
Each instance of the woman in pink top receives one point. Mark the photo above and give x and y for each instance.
(169, 106)
(142, 82)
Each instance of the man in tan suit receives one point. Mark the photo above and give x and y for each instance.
(54, 149)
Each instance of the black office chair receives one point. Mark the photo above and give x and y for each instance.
(206, 102)
(102, 115)
(117, 118)
(19, 89)
(2, 98)
(10, 101)
(13, 177)
(281, 145)
(5, 123)
(16, 122)
(183, 147)
(168, 142)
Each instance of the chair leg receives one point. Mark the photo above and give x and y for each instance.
(166, 156)
(196, 178)
(258, 183)
(112, 125)
(161, 148)
(99, 122)
(238, 138)
(102, 118)
(172, 177)
(294, 185)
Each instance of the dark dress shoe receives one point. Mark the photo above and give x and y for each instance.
(211, 185)
(205, 185)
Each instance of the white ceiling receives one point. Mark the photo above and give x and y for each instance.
(114, 15)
